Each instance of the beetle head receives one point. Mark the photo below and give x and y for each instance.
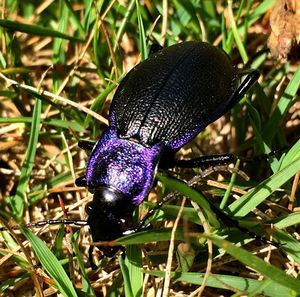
(109, 216)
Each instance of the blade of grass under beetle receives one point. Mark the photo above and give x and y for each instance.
(126, 278)
(133, 262)
(150, 236)
(35, 30)
(50, 263)
(259, 265)
(253, 198)
(228, 282)
(19, 199)
(189, 213)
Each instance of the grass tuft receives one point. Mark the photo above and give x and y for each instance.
(60, 62)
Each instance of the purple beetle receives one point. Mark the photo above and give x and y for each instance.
(160, 105)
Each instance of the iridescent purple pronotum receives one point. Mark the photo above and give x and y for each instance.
(160, 105)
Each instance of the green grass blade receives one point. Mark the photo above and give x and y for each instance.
(51, 122)
(228, 282)
(191, 193)
(253, 198)
(35, 30)
(247, 258)
(150, 236)
(51, 264)
(11, 282)
(129, 11)
(75, 19)
(288, 220)
(142, 34)
(18, 201)
(126, 278)
(133, 263)
(284, 104)
(289, 244)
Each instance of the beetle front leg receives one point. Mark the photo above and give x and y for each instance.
(81, 181)
(86, 145)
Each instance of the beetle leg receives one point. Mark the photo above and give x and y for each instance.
(233, 223)
(86, 145)
(206, 161)
(247, 83)
(155, 47)
(201, 162)
(80, 181)
(243, 88)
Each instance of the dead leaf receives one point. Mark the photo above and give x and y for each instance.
(285, 29)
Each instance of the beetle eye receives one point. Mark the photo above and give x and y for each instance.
(88, 208)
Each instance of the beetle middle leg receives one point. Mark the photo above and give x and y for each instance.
(169, 161)
(206, 161)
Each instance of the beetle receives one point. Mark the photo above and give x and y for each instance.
(159, 106)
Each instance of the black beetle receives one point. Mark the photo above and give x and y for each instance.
(160, 105)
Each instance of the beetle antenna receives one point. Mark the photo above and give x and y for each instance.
(78, 223)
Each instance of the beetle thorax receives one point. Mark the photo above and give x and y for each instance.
(124, 165)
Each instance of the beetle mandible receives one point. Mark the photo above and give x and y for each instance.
(160, 105)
